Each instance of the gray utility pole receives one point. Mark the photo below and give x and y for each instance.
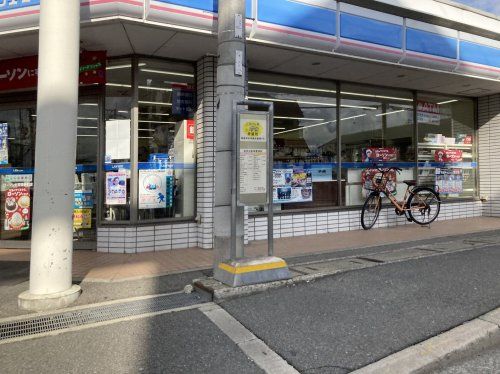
(57, 109)
(231, 71)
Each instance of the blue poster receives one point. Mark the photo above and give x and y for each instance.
(4, 143)
(83, 199)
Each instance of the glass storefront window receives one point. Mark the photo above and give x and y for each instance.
(305, 139)
(117, 141)
(376, 127)
(166, 144)
(17, 158)
(446, 145)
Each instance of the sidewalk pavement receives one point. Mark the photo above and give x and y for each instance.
(90, 266)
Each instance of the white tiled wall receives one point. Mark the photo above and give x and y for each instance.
(489, 155)
(322, 223)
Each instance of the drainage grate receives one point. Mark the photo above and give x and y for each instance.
(53, 322)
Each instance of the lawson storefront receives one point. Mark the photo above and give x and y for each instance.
(359, 84)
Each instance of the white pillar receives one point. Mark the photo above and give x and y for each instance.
(55, 151)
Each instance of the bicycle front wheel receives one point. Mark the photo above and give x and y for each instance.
(424, 205)
(371, 210)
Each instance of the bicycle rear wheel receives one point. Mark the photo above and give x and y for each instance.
(424, 205)
(371, 210)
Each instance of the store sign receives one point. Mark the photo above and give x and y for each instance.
(152, 189)
(116, 188)
(292, 186)
(22, 73)
(252, 139)
(376, 154)
(449, 181)
(448, 155)
(16, 4)
(82, 218)
(4, 146)
(182, 100)
(17, 209)
(428, 113)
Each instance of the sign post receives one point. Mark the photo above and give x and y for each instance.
(252, 184)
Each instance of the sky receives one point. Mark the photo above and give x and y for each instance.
(492, 6)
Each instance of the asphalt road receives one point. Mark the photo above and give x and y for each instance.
(182, 342)
(347, 321)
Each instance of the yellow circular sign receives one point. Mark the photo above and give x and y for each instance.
(253, 129)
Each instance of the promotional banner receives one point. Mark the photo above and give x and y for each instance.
(22, 72)
(152, 189)
(82, 218)
(322, 174)
(367, 176)
(449, 181)
(448, 155)
(83, 199)
(292, 185)
(4, 145)
(17, 209)
(428, 113)
(116, 188)
(379, 154)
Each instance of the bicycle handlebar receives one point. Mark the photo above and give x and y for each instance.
(386, 170)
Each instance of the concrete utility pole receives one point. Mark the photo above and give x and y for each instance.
(231, 71)
(57, 108)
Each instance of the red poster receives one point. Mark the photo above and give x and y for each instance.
(368, 175)
(22, 73)
(17, 208)
(379, 154)
(190, 129)
(448, 155)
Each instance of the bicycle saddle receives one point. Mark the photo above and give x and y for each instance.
(410, 182)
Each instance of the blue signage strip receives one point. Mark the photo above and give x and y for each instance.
(207, 5)
(165, 166)
(430, 43)
(480, 54)
(298, 15)
(16, 4)
(371, 31)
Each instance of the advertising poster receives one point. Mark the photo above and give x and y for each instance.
(379, 154)
(17, 209)
(448, 155)
(292, 186)
(322, 174)
(449, 181)
(152, 189)
(183, 99)
(83, 199)
(117, 140)
(367, 176)
(82, 218)
(4, 145)
(428, 113)
(116, 188)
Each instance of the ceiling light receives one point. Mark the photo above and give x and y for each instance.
(86, 136)
(167, 73)
(299, 118)
(88, 104)
(292, 87)
(119, 85)
(447, 102)
(155, 114)
(375, 96)
(87, 127)
(158, 122)
(305, 127)
(124, 66)
(87, 119)
(145, 137)
(387, 113)
(155, 88)
(291, 101)
(150, 130)
(154, 103)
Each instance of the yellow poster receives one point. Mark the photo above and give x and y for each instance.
(82, 218)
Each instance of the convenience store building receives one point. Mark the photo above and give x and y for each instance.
(414, 85)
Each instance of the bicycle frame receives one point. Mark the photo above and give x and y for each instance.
(382, 188)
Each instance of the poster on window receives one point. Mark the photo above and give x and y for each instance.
(367, 176)
(82, 218)
(4, 145)
(376, 154)
(322, 173)
(292, 185)
(183, 100)
(449, 181)
(152, 189)
(428, 113)
(17, 209)
(448, 155)
(83, 199)
(116, 188)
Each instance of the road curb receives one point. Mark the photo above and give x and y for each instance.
(437, 351)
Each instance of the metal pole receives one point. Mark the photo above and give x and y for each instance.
(270, 222)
